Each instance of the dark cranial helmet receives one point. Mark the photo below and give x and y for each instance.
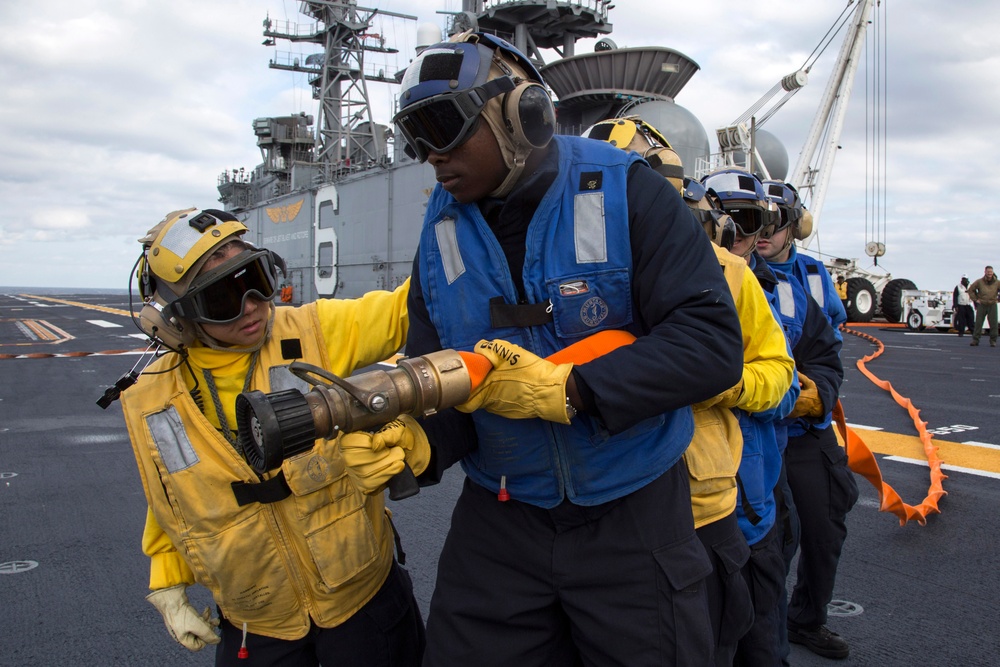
(450, 86)
(741, 195)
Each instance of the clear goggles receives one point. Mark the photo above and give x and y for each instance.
(444, 122)
(219, 296)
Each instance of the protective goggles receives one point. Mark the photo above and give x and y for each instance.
(781, 218)
(749, 220)
(444, 122)
(219, 296)
(721, 223)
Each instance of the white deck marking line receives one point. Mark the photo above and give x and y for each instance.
(970, 471)
(865, 428)
(981, 444)
(105, 324)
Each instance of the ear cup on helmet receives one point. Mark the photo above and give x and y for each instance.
(804, 227)
(173, 332)
(725, 233)
(529, 115)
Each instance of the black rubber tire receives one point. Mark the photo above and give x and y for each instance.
(915, 321)
(860, 300)
(891, 301)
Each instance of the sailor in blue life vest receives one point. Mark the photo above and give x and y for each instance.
(823, 487)
(572, 541)
(732, 500)
(809, 270)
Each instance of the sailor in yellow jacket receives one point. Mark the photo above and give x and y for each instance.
(293, 555)
(714, 455)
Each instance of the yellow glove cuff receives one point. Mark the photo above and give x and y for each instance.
(521, 385)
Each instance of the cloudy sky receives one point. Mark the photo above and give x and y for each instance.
(114, 112)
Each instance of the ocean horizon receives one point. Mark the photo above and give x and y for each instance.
(62, 290)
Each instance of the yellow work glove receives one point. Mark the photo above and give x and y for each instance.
(374, 458)
(808, 403)
(189, 628)
(730, 398)
(406, 433)
(521, 385)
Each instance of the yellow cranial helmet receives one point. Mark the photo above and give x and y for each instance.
(174, 251)
(179, 245)
(632, 133)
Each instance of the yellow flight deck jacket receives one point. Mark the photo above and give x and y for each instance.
(714, 455)
(320, 553)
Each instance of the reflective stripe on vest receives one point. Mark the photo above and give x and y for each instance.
(786, 299)
(816, 288)
(171, 440)
(451, 257)
(589, 234)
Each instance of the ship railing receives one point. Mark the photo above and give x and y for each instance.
(715, 161)
(599, 7)
(288, 59)
(285, 29)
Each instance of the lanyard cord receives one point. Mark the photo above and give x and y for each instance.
(220, 413)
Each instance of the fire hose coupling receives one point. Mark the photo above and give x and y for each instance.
(273, 427)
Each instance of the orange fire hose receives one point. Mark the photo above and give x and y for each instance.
(862, 461)
(579, 352)
(860, 457)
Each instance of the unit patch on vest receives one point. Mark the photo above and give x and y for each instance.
(591, 180)
(594, 311)
(574, 287)
(318, 469)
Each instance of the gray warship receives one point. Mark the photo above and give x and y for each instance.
(340, 201)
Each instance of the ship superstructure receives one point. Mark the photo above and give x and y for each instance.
(336, 196)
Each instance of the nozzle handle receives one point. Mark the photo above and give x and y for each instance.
(403, 484)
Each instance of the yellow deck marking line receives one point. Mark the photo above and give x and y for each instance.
(38, 330)
(89, 306)
(51, 327)
(955, 453)
(46, 331)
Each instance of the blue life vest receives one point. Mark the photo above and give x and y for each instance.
(764, 441)
(758, 474)
(579, 262)
(818, 283)
(789, 297)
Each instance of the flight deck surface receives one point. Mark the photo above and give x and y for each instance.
(73, 577)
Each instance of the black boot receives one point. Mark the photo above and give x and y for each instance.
(821, 641)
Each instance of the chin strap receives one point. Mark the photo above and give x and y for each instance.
(514, 156)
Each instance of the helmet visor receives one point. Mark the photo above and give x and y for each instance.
(219, 296)
(444, 122)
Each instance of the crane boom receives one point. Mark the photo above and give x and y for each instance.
(829, 120)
